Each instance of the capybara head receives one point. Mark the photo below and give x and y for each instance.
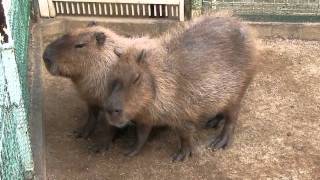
(76, 52)
(131, 87)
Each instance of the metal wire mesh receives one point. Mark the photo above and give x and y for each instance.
(260, 8)
(15, 149)
(270, 7)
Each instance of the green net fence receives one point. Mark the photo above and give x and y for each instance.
(260, 10)
(15, 149)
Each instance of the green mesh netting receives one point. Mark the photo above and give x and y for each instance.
(15, 149)
(19, 23)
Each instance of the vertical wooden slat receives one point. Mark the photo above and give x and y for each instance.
(181, 10)
(127, 9)
(61, 8)
(89, 9)
(121, 9)
(132, 10)
(67, 7)
(138, 9)
(160, 10)
(105, 9)
(72, 8)
(155, 10)
(143, 10)
(110, 6)
(78, 8)
(83, 8)
(116, 9)
(172, 11)
(166, 10)
(177, 10)
(149, 9)
(57, 7)
(52, 11)
(94, 8)
(43, 7)
(100, 11)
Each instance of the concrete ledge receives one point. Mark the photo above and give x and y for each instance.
(154, 27)
(303, 31)
(123, 26)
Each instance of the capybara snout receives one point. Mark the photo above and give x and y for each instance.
(71, 54)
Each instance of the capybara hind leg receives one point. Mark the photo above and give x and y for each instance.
(88, 128)
(186, 143)
(143, 132)
(224, 138)
(214, 122)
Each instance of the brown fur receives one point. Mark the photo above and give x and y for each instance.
(188, 76)
(87, 67)
(85, 56)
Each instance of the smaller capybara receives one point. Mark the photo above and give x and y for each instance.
(198, 71)
(85, 56)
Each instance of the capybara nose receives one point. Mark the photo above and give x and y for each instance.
(114, 112)
(46, 58)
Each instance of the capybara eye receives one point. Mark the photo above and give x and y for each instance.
(137, 78)
(80, 45)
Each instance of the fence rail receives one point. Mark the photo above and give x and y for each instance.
(170, 9)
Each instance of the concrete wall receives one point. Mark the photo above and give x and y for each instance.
(129, 27)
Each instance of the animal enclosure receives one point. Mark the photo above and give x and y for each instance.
(278, 129)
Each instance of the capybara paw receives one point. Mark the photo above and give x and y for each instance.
(222, 141)
(132, 152)
(98, 148)
(182, 155)
(81, 133)
(214, 122)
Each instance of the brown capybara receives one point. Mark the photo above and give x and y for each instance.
(85, 56)
(197, 72)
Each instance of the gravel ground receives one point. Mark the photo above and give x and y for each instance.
(277, 135)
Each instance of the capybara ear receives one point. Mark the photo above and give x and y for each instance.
(118, 51)
(92, 23)
(100, 37)
(141, 56)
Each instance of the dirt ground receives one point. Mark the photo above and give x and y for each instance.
(277, 136)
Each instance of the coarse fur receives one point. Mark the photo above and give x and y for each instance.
(191, 74)
(86, 56)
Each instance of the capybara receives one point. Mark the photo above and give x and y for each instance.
(198, 71)
(85, 56)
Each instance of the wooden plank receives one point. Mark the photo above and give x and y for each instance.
(44, 8)
(52, 10)
(181, 10)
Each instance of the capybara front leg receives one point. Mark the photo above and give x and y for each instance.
(88, 128)
(143, 132)
(108, 136)
(186, 143)
(224, 138)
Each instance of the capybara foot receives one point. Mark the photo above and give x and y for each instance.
(82, 133)
(221, 141)
(100, 147)
(182, 154)
(214, 122)
(132, 152)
